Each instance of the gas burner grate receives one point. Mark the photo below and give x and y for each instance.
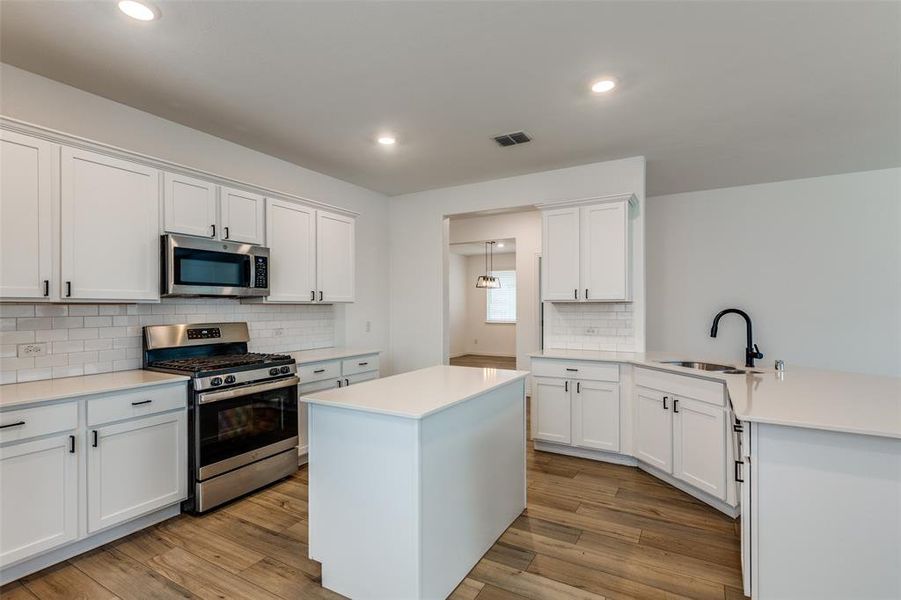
(211, 363)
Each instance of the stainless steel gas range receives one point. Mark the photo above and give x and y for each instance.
(242, 420)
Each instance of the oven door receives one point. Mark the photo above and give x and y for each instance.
(198, 267)
(241, 425)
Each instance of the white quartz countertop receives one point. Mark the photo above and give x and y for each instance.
(796, 397)
(303, 357)
(416, 394)
(19, 394)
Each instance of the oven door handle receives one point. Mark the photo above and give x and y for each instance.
(208, 397)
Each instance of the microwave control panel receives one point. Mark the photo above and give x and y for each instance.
(261, 272)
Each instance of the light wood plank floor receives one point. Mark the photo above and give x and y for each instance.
(591, 531)
(480, 360)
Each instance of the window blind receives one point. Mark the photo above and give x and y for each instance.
(502, 301)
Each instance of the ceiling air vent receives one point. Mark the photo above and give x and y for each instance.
(511, 139)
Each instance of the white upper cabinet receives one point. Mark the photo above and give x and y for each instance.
(586, 254)
(604, 251)
(242, 216)
(335, 257)
(189, 206)
(109, 228)
(560, 254)
(26, 222)
(291, 237)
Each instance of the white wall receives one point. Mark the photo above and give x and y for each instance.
(419, 236)
(815, 262)
(478, 336)
(29, 97)
(456, 276)
(525, 228)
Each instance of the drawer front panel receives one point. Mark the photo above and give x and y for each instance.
(136, 403)
(315, 386)
(319, 371)
(704, 390)
(361, 377)
(575, 369)
(38, 420)
(360, 364)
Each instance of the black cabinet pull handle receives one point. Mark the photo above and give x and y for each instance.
(226, 231)
(68, 289)
(339, 383)
(362, 364)
(141, 402)
(565, 386)
(96, 438)
(576, 294)
(346, 381)
(320, 295)
(319, 371)
(665, 398)
(16, 424)
(71, 444)
(46, 287)
(738, 477)
(214, 230)
(586, 293)
(675, 405)
(312, 296)
(578, 387)
(573, 370)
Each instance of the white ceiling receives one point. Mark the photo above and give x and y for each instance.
(478, 248)
(712, 93)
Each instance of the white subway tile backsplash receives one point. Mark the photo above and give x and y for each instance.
(90, 338)
(589, 326)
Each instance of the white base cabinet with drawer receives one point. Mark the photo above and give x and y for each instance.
(81, 472)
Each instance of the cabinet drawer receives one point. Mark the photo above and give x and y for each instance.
(316, 386)
(360, 364)
(319, 371)
(361, 377)
(575, 369)
(704, 390)
(136, 403)
(38, 420)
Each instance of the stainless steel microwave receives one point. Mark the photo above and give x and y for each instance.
(198, 267)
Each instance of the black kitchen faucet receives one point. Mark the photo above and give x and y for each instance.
(751, 350)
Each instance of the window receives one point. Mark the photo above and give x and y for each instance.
(502, 300)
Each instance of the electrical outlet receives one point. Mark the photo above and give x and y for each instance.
(476, 341)
(368, 326)
(591, 331)
(31, 350)
(278, 332)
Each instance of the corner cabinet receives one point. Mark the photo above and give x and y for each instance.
(27, 167)
(311, 254)
(109, 234)
(586, 250)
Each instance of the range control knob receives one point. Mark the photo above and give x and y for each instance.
(273, 371)
(285, 369)
(216, 381)
(229, 379)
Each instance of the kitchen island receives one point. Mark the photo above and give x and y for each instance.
(413, 478)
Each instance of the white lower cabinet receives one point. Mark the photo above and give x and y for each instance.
(136, 467)
(596, 415)
(699, 438)
(654, 429)
(39, 510)
(552, 406)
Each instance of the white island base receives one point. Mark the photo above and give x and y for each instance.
(413, 477)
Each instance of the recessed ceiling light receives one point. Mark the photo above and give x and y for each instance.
(603, 86)
(387, 140)
(139, 10)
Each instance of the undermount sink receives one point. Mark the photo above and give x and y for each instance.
(701, 366)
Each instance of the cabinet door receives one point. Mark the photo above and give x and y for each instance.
(560, 254)
(189, 205)
(26, 222)
(110, 228)
(747, 509)
(335, 257)
(552, 406)
(654, 429)
(135, 468)
(699, 445)
(291, 236)
(605, 252)
(596, 415)
(242, 216)
(39, 510)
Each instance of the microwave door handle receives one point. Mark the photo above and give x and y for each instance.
(208, 397)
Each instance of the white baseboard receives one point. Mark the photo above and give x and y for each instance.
(31, 565)
(631, 461)
(492, 354)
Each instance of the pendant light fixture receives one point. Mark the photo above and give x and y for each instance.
(488, 280)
